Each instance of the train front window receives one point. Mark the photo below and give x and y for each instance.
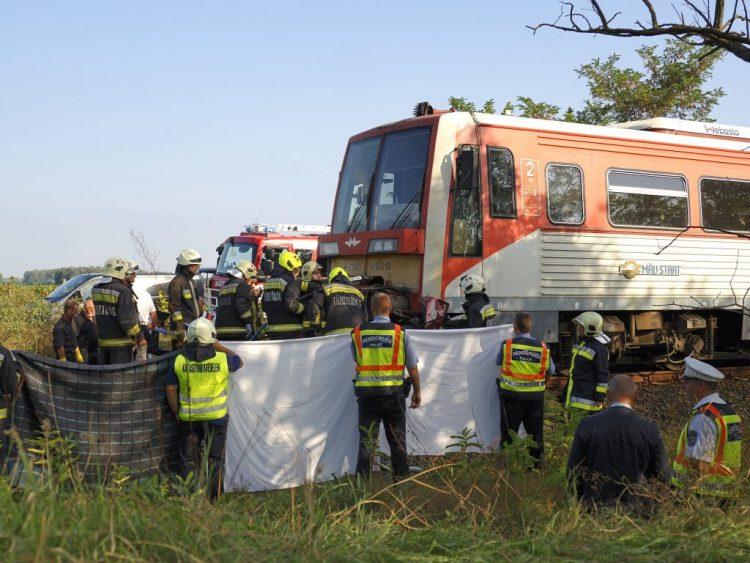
(399, 180)
(354, 192)
(640, 199)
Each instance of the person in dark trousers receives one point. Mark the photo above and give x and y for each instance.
(524, 364)
(616, 450)
(64, 336)
(381, 351)
(283, 311)
(589, 365)
(238, 310)
(478, 311)
(184, 294)
(116, 315)
(88, 339)
(197, 388)
(342, 305)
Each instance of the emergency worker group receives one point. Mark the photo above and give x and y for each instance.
(613, 448)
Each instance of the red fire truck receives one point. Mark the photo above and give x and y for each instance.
(262, 244)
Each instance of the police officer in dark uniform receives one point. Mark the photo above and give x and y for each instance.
(342, 304)
(283, 311)
(238, 311)
(589, 366)
(478, 311)
(116, 315)
(184, 294)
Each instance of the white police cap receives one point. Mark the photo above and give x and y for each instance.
(695, 369)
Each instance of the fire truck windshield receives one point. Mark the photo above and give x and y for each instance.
(235, 252)
(382, 182)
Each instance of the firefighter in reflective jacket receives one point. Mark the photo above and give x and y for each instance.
(342, 304)
(116, 315)
(197, 393)
(524, 364)
(185, 295)
(284, 313)
(478, 311)
(709, 447)
(589, 365)
(238, 310)
(382, 350)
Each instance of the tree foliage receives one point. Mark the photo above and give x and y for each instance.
(670, 84)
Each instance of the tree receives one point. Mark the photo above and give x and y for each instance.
(671, 85)
(537, 110)
(144, 251)
(708, 23)
(462, 104)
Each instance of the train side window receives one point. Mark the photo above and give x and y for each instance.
(502, 182)
(725, 204)
(643, 199)
(466, 219)
(565, 194)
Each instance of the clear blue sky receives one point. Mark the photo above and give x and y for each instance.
(188, 120)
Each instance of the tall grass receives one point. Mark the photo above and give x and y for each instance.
(26, 320)
(462, 506)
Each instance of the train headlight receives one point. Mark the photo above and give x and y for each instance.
(383, 245)
(328, 249)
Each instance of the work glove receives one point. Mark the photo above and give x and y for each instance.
(79, 356)
(141, 352)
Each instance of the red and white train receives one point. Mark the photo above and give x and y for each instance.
(646, 222)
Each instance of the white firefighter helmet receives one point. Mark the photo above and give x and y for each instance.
(188, 256)
(308, 268)
(133, 268)
(244, 268)
(471, 284)
(116, 267)
(201, 331)
(591, 321)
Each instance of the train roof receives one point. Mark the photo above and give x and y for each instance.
(659, 130)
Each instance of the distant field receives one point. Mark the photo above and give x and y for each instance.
(463, 507)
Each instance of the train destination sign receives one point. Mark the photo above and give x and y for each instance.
(631, 269)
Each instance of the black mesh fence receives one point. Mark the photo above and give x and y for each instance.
(113, 415)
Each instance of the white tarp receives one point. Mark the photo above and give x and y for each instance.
(293, 414)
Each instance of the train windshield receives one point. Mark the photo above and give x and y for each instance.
(382, 182)
(233, 253)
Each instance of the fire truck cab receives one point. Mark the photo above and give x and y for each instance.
(262, 244)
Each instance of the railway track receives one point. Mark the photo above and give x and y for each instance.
(658, 376)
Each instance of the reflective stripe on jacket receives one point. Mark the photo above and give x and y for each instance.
(344, 307)
(276, 301)
(203, 387)
(721, 474)
(589, 375)
(524, 367)
(237, 307)
(478, 311)
(116, 314)
(381, 357)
